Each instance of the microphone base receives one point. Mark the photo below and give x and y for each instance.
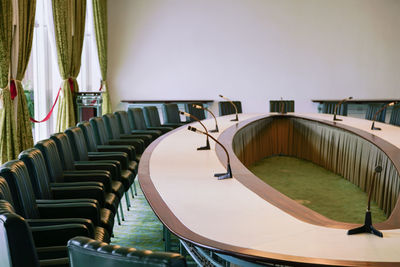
(214, 131)
(236, 119)
(375, 128)
(204, 148)
(225, 175)
(337, 119)
(366, 228)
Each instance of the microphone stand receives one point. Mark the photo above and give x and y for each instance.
(207, 146)
(376, 115)
(368, 227)
(338, 105)
(282, 106)
(216, 123)
(228, 173)
(233, 104)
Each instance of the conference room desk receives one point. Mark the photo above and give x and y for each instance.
(245, 218)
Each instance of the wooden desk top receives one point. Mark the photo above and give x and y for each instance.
(358, 101)
(228, 217)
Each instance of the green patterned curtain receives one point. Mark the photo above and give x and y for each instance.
(26, 22)
(9, 147)
(100, 26)
(69, 28)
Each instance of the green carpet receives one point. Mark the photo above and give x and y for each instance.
(316, 188)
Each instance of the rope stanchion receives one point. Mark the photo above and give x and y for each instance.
(50, 112)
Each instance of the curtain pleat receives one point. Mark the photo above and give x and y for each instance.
(69, 27)
(101, 30)
(335, 149)
(26, 22)
(9, 146)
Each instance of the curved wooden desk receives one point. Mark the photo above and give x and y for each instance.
(234, 217)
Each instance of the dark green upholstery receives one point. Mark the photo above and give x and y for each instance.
(64, 192)
(114, 130)
(329, 108)
(152, 118)
(226, 108)
(198, 113)
(17, 248)
(171, 114)
(372, 109)
(86, 252)
(49, 150)
(134, 122)
(73, 217)
(395, 116)
(275, 105)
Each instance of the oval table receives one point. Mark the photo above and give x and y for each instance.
(243, 218)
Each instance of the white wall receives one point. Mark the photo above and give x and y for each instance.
(254, 50)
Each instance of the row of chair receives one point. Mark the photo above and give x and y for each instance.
(72, 185)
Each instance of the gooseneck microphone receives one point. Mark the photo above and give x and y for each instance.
(282, 106)
(377, 113)
(233, 104)
(207, 146)
(216, 123)
(368, 227)
(338, 106)
(228, 173)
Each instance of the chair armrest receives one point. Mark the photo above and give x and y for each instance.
(57, 235)
(160, 129)
(53, 252)
(146, 138)
(136, 143)
(80, 176)
(70, 210)
(120, 157)
(112, 167)
(78, 184)
(93, 194)
(130, 150)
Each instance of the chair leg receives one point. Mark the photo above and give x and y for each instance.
(130, 189)
(122, 212)
(118, 219)
(128, 202)
(134, 188)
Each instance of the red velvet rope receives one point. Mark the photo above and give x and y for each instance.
(71, 85)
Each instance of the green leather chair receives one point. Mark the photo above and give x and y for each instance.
(152, 118)
(395, 116)
(275, 105)
(17, 248)
(86, 252)
(171, 114)
(329, 108)
(133, 121)
(372, 109)
(198, 113)
(226, 108)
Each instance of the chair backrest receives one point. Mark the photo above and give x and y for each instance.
(123, 122)
(84, 251)
(136, 119)
(17, 177)
(275, 105)
(226, 108)
(171, 113)
(198, 113)
(89, 134)
(99, 130)
(53, 162)
(395, 116)
(17, 248)
(78, 143)
(372, 109)
(5, 192)
(112, 126)
(38, 173)
(64, 150)
(151, 116)
(329, 108)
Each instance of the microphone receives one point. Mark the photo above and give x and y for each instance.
(379, 111)
(233, 104)
(368, 227)
(216, 124)
(207, 146)
(228, 173)
(338, 106)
